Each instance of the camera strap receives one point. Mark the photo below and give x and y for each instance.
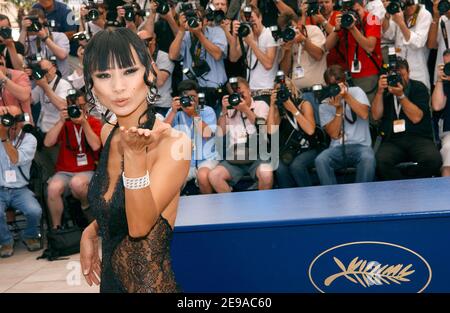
(353, 114)
(293, 121)
(444, 33)
(397, 107)
(195, 49)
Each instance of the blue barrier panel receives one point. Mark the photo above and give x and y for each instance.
(376, 237)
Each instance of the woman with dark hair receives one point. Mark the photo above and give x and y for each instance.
(134, 217)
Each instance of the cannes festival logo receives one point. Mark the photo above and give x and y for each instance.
(385, 267)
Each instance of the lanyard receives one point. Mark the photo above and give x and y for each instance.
(78, 135)
(293, 122)
(397, 107)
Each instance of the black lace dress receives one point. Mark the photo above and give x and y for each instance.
(128, 264)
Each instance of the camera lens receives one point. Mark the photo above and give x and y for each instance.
(393, 79)
(7, 120)
(185, 101)
(393, 7)
(288, 34)
(93, 15)
(334, 90)
(192, 22)
(447, 69)
(443, 6)
(234, 99)
(347, 19)
(163, 8)
(244, 30)
(73, 111)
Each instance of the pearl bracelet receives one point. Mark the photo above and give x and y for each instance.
(136, 183)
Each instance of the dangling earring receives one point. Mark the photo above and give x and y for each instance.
(152, 95)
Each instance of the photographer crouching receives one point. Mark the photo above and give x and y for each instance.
(190, 115)
(403, 106)
(293, 118)
(78, 136)
(239, 122)
(345, 117)
(17, 151)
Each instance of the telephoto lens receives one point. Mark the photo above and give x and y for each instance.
(73, 110)
(93, 15)
(163, 7)
(130, 13)
(5, 32)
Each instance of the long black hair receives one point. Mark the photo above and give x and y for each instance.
(110, 47)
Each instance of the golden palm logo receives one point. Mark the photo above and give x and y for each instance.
(370, 273)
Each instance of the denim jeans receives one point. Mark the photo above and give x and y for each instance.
(21, 199)
(359, 156)
(296, 174)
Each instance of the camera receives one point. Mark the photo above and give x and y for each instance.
(324, 92)
(81, 36)
(201, 68)
(37, 72)
(9, 120)
(283, 92)
(348, 18)
(443, 7)
(287, 34)
(35, 24)
(313, 8)
(186, 101)
(235, 98)
(188, 9)
(390, 69)
(395, 6)
(133, 9)
(5, 32)
(73, 109)
(347, 4)
(93, 12)
(244, 29)
(163, 7)
(213, 15)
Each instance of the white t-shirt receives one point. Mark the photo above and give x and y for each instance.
(312, 69)
(260, 78)
(415, 50)
(49, 114)
(376, 7)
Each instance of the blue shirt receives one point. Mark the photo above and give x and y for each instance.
(356, 133)
(62, 15)
(216, 76)
(26, 151)
(184, 123)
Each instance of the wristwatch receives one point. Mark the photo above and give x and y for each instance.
(297, 113)
(324, 23)
(6, 139)
(401, 97)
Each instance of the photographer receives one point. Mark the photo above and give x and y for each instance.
(202, 49)
(361, 34)
(256, 43)
(15, 89)
(132, 16)
(37, 38)
(238, 122)
(270, 10)
(439, 30)
(60, 13)
(345, 117)
(293, 119)
(199, 123)
(405, 116)
(304, 56)
(92, 18)
(163, 67)
(12, 50)
(439, 102)
(17, 150)
(78, 136)
(50, 92)
(409, 28)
